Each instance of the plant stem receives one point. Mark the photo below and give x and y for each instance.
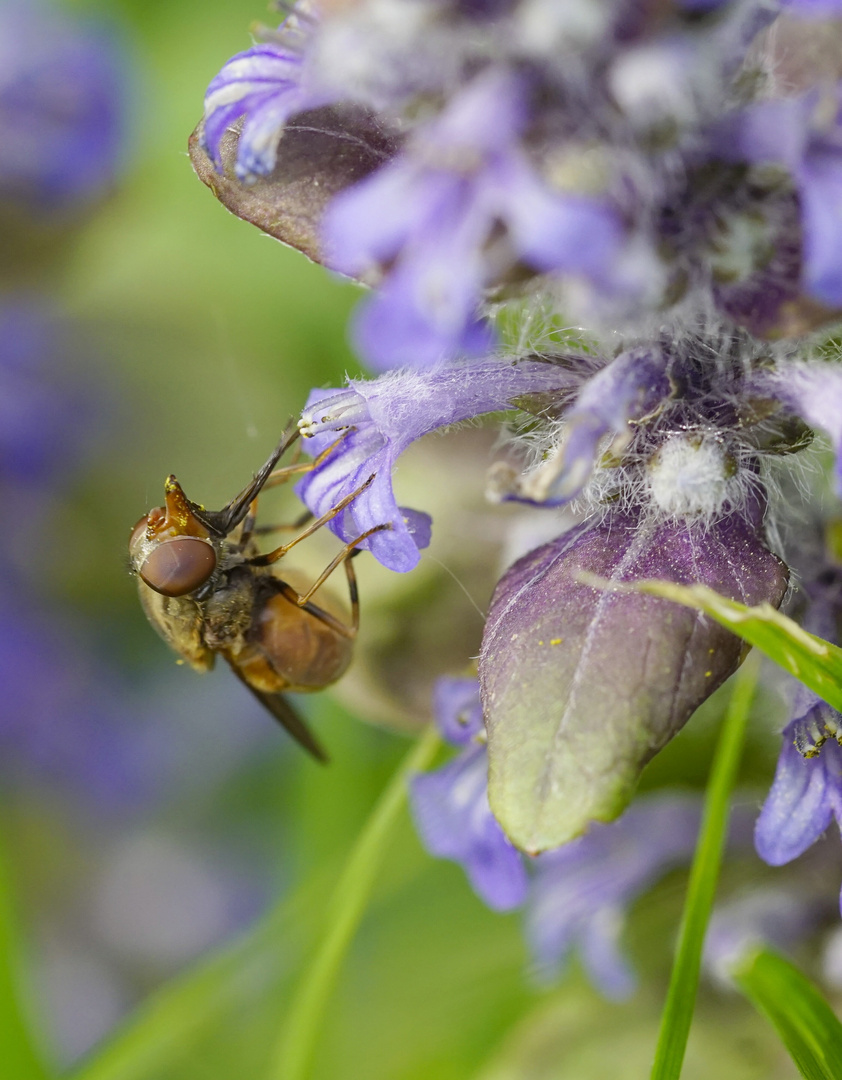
(681, 996)
(302, 1025)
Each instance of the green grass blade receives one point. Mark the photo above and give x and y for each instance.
(807, 1025)
(817, 663)
(303, 1023)
(681, 996)
(18, 1052)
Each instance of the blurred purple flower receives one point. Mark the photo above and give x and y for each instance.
(458, 710)
(581, 891)
(450, 805)
(435, 217)
(62, 107)
(771, 915)
(378, 419)
(61, 721)
(44, 415)
(812, 9)
(805, 137)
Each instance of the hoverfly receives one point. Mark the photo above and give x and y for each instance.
(208, 590)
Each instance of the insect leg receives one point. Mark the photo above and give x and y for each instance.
(304, 601)
(343, 556)
(273, 479)
(248, 524)
(278, 553)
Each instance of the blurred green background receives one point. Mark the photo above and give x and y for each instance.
(204, 337)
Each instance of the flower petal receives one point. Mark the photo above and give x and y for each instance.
(457, 709)
(805, 795)
(454, 820)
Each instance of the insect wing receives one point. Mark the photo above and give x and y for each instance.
(288, 718)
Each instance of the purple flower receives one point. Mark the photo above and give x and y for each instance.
(451, 215)
(378, 419)
(625, 390)
(581, 891)
(62, 110)
(450, 805)
(268, 85)
(806, 794)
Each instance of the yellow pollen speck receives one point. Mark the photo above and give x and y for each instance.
(708, 674)
(556, 640)
(180, 662)
(540, 643)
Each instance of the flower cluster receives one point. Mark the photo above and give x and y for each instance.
(62, 127)
(59, 719)
(668, 176)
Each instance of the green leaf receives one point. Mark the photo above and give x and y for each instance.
(817, 663)
(807, 1025)
(681, 996)
(18, 1052)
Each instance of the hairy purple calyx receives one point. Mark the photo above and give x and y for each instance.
(582, 686)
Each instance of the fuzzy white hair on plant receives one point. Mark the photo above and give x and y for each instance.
(692, 475)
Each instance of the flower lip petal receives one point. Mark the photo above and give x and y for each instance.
(372, 423)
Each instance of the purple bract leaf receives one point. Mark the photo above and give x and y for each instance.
(582, 686)
(324, 151)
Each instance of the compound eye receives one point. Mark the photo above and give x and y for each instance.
(138, 531)
(178, 566)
